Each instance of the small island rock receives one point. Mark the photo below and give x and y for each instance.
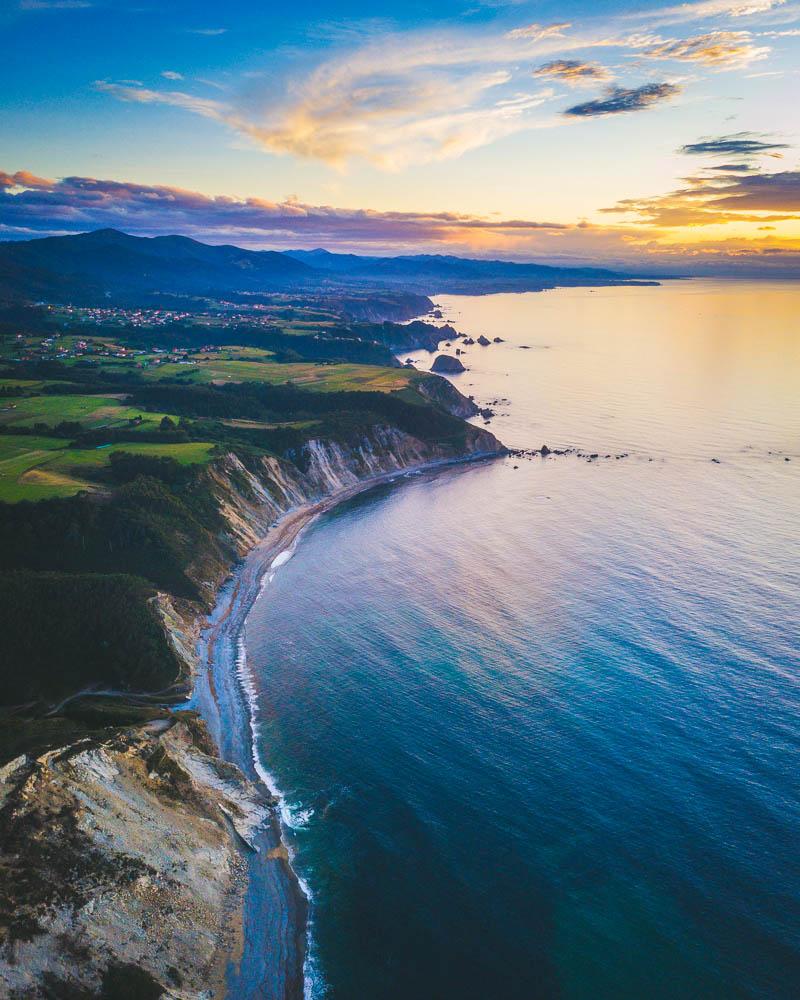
(447, 363)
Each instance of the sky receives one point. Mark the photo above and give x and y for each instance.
(623, 134)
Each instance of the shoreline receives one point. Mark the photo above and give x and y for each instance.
(274, 960)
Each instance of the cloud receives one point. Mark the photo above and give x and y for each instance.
(777, 192)
(536, 32)
(745, 144)
(708, 9)
(573, 71)
(23, 179)
(208, 32)
(30, 204)
(205, 107)
(414, 99)
(732, 168)
(620, 100)
(171, 74)
(728, 193)
(396, 99)
(724, 49)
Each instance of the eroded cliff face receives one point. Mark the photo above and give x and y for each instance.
(252, 498)
(120, 859)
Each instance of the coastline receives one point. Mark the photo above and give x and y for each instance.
(274, 960)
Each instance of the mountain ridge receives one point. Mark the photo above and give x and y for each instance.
(108, 264)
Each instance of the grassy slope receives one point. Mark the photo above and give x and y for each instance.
(38, 468)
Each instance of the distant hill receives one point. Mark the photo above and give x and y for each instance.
(108, 262)
(108, 265)
(437, 272)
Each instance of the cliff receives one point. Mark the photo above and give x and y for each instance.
(122, 855)
(121, 865)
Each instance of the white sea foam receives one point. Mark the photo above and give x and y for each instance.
(292, 816)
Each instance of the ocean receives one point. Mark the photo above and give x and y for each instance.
(537, 721)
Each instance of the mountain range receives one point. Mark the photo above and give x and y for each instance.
(110, 265)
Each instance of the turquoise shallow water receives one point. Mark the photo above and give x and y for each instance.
(538, 727)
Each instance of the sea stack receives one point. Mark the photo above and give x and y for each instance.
(447, 363)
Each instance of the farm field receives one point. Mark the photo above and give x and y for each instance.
(325, 378)
(39, 468)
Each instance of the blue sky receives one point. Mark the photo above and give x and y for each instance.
(568, 116)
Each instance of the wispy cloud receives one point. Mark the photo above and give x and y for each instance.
(722, 49)
(620, 100)
(536, 32)
(708, 9)
(410, 98)
(208, 32)
(743, 144)
(402, 98)
(573, 71)
(171, 74)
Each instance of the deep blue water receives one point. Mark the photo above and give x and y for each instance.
(538, 727)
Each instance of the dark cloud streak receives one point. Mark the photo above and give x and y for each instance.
(738, 144)
(620, 100)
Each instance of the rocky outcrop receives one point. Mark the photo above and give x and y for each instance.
(419, 335)
(395, 307)
(446, 363)
(121, 863)
(445, 395)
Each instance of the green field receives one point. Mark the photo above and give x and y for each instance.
(92, 411)
(38, 468)
(331, 378)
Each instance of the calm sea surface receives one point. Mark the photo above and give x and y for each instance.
(538, 727)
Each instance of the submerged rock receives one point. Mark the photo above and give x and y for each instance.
(447, 363)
